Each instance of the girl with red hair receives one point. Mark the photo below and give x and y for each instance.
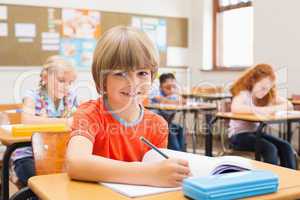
(255, 93)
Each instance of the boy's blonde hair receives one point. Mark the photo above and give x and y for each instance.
(124, 48)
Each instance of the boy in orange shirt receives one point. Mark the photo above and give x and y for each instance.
(105, 143)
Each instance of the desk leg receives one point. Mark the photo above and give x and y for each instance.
(258, 138)
(195, 131)
(185, 130)
(5, 168)
(289, 131)
(208, 135)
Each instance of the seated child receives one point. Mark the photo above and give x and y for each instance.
(105, 142)
(53, 102)
(168, 94)
(255, 92)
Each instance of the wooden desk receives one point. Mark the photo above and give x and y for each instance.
(262, 120)
(295, 102)
(12, 144)
(59, 186)
(208, 97)
(195, 109)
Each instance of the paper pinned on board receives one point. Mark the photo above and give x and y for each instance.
(3, 30)
(3, 13)
(25, 30)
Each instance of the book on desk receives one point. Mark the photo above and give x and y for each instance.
(200, 166)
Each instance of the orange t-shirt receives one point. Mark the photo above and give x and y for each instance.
(113, 139)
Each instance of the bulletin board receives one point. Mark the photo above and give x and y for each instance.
(46, 33)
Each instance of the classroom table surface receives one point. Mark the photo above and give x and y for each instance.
(296, 102)
(171, 107)
(214, 96)
(6, 138)
(59, 186)
(257, 118)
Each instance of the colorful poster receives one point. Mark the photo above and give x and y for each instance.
(155, 28)
(80, 23)
(80, 31)
(78, 51)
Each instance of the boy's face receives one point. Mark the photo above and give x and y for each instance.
(127, 88)
(169, 87)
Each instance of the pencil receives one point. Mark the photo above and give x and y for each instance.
(153, 147)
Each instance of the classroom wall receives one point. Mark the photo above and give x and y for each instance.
(18, 79)
(276, 40)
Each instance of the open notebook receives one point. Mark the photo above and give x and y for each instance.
(199, 166)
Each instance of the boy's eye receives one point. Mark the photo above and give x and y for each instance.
(121, 74)
(143, 73)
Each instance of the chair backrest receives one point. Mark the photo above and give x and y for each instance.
(49, 151)
(13, 117)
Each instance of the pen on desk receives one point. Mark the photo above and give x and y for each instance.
(153, 147)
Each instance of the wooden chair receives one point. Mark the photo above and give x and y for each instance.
(49, 151)
(226, 147)
(14, 117)
(297, 107)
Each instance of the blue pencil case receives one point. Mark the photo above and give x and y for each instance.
(231, 185)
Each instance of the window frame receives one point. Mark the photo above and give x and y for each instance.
(217, 8)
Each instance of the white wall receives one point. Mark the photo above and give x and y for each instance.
(17, 79)
(277, 38)
(276, 41)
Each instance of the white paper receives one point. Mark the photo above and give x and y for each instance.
(199, 166)
(25, 30)
(48, 35)
(50, 47)
(7, 128)
(137, 190)
(3, 30)
(3, 12)
(50, 41)
(177, 56)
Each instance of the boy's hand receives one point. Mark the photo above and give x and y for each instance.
(169, 172)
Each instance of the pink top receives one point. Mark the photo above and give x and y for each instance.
(239, 126)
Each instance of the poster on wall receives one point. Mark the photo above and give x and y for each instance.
(155, 28)
(80, 31)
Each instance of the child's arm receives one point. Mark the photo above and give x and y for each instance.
(239, 106)
(28, 115)
(82, 165)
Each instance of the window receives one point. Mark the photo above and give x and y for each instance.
(233, 34)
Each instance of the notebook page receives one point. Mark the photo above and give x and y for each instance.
(199, 165)
(137, 190)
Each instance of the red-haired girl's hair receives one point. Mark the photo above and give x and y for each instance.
(252, 76)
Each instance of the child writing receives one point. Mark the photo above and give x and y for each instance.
(105, 144)
(168, 94)
(254, 92)
(53, 102)
(168, 91)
